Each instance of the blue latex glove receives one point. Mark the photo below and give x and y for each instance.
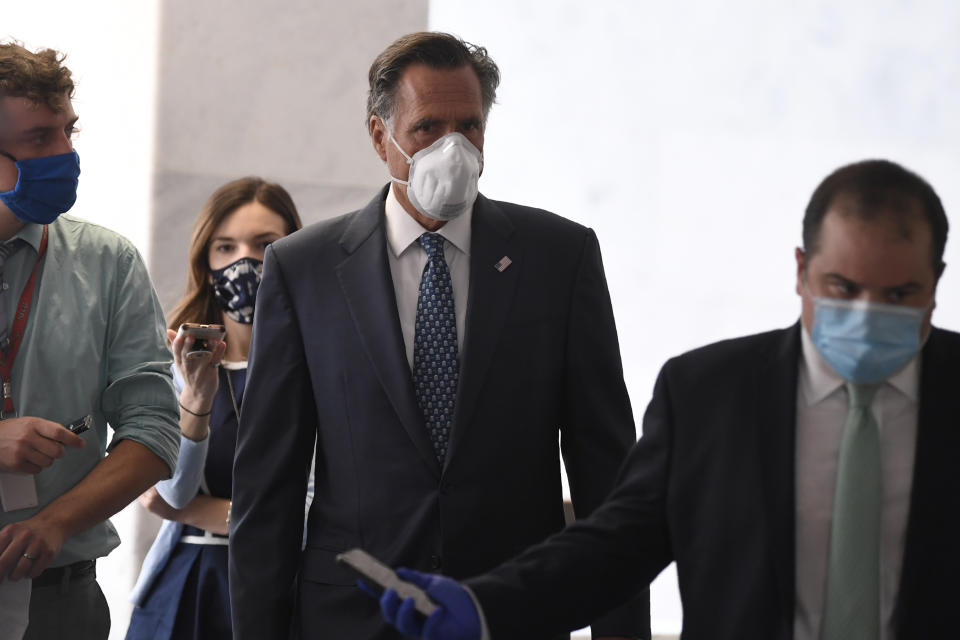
(455, 619)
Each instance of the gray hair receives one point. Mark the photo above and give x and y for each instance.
(437, 51)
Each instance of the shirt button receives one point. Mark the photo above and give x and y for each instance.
(435, 562)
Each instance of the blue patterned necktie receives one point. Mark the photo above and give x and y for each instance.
(7, 249)
(435, 364)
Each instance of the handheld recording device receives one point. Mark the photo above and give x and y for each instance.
(380, 576)
(80, 425)
(203, 335)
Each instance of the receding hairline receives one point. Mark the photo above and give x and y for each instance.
(904, 214)
(430, 90)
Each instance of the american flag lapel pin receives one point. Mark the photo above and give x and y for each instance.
(503, 263)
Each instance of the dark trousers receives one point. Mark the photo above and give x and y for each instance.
(73, 608)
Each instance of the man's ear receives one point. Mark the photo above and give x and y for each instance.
(801, 259)
(9, 174)
(378, 136)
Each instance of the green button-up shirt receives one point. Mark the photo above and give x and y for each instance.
(95, 343)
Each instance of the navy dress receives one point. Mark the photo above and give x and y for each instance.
(190, 598)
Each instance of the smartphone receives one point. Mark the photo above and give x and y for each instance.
(379, 575)
(80, 425)
(203, 335)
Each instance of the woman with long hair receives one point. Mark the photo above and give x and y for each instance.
(182, 591)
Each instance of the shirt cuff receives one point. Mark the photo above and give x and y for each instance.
(484, 630)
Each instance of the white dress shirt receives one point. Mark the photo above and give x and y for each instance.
(821, 414)
(408, 258)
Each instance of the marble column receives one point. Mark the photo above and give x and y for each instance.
(277, 90)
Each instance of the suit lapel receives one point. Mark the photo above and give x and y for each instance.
(368, 288)
(488, 305)
(776, 385)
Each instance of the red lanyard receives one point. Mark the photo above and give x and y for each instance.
(8, 356)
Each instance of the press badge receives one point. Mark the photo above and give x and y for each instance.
(17, 491)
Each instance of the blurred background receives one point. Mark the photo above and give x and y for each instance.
(688, 135)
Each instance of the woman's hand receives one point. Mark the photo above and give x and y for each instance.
(200, 381)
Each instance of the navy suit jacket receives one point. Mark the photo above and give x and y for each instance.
(328, 373)
(711, 485)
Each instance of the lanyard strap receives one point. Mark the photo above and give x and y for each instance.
(8, 356)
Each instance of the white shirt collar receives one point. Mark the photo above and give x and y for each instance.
(403, 230)
(818, 379)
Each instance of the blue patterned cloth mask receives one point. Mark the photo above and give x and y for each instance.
(866, 342)
(46, 187)
(235, 288)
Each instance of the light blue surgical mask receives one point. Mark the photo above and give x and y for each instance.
(866, 342)
(46, 187)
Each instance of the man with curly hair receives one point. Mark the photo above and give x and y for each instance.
(82, 343)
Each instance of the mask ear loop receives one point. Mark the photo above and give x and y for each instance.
(409, 160)
(7, 155)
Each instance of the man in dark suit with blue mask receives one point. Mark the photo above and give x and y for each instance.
(804, 480)
(440, 348)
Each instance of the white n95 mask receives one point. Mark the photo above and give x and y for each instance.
(442, 183)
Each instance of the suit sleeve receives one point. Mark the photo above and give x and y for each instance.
(598, 427)
(576, 575)
(275, 440)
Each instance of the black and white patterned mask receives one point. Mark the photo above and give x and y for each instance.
(235, 288)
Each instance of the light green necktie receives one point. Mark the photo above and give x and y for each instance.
(852, 606)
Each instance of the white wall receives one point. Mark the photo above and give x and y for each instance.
(690, 136)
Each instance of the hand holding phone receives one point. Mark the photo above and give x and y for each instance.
(203, 336)
(382, 577)
(80, 425)
(420, 605)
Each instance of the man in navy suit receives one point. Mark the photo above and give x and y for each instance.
(804, 480)
(436, 350)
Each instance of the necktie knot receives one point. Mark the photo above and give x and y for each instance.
(861, 395)
(432, 243)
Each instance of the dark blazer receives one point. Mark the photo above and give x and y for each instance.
(540, 363)
(711, 485)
